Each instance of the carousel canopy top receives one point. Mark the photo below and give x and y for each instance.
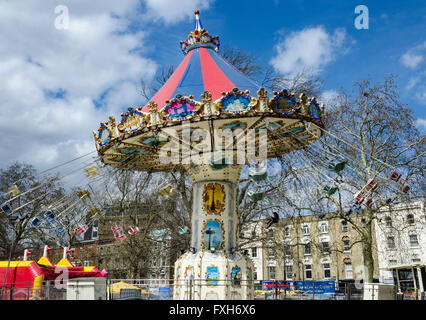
(203, 69)
(209, 93)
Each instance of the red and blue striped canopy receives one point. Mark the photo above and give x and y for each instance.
(203, 69)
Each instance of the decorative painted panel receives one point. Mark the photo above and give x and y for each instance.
(214, 198)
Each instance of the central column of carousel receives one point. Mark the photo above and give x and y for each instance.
(213, 268)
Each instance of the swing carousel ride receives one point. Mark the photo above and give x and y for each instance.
(210, 120)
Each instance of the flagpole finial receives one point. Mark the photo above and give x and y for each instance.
(199, 37)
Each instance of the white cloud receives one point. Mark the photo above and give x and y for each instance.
(411, 60)
(328, 97)
(421, 123)
(412, 82)
(171, 11)
(311, 48)
(50, 78)
(413, 57)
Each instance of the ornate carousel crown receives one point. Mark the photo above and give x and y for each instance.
(199, 38)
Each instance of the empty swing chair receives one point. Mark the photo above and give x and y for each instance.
(81, 229)
(92, 171)
(94, 212)
(256, 196)
(118, 233)
(14, 191)
(50, 216)
(337, 167)
(133, 230)
(183, 230)
(259, 172)
(330, 190)
(167, 191)
(6, 208)
(158, 233)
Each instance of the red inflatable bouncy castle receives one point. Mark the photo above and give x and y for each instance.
(26, 278)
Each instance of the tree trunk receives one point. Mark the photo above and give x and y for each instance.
(368, 261)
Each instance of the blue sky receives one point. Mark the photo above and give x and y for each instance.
(67, 65)
(395, 28)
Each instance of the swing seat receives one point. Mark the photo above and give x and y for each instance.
(158, 233)
(93, 212)
(83, 194)
(184, 230)
(255, 175)
(256, 196)
(360, 198)
(81, 230)
(167, 191)
(120, 238)
(395, 176)
(133, 231)
(330, 190)
(337, 167)
(219, 164)
(14, 191)
(6, 208)
(35, 222)
(116, 230)
(368, 203)
(372, 185)
(50, 216)
(92, 171)
(405, 189)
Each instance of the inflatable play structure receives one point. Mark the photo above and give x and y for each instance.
(25, 279)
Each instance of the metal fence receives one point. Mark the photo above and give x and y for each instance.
(162, 289)
(46, 290)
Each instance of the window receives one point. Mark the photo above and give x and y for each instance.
(271, 271)
(86, 263)
(324, 227)
(270, 233)
(326, 267)
(363, 222)
(391, 242)
(287, 250)
(414, 242)
(271, 253)
(287, 231)
(325, 247)
(346, 245)
(307, 249)
(305, 229)
(308, 271)
(344, 226)
(410, 219)
(388, 222)
(254, 252)
(254, 275)
(348, 270)
(288, 272)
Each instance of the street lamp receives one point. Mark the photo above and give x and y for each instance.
(210, 231)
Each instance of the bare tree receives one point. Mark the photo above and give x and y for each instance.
(16, 229)
(374, 135)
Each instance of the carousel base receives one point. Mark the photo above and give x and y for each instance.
(206, 275)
